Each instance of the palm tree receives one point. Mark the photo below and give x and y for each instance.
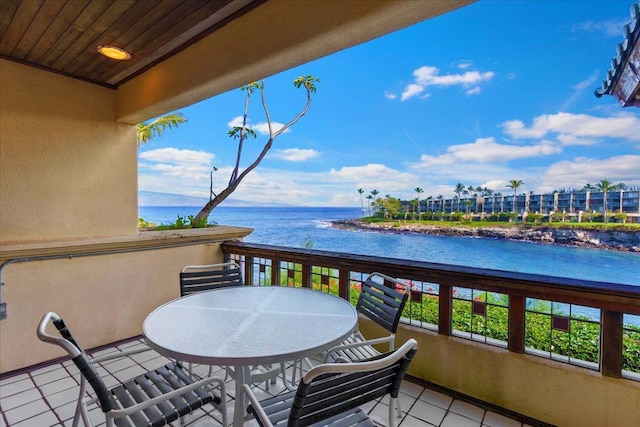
(515, 184)
(604, 186)
(155, 129)
(370, 198)
(440, 199)
(418, 190)
(374, 193)
(361, 192)
(459, 189)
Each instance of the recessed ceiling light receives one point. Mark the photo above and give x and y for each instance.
(114, 52)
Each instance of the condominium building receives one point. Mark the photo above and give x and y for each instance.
(572, 203)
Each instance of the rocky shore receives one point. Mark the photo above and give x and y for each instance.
(628, 241)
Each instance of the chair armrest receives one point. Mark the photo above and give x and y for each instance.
(364, 343)
(119, 413)
(119, 354)
(255, 404)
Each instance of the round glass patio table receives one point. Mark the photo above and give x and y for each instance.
(249, 325)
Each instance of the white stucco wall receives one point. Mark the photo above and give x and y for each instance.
(67, 169)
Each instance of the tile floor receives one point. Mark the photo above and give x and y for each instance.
(47, 396)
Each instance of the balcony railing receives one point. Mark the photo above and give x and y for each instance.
(593, 325)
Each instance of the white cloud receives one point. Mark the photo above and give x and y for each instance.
(390, 95)
(176, 156)
(578, 125)
(172, 162)
(262, 128)
(588, 82)
(611, 27)
(487, 150)
(580, 171)
(566, 139)
(580, 89)
(410, 91)
(295, 154)
(464, 65)
(375, 175)
(426, 76)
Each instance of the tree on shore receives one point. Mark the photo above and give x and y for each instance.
(459, 189)
(604, 186)
(361, 192)
(370, 199)
(241, 133)
(515, 184)
(145, 132)
(418, 190)
(374, 193)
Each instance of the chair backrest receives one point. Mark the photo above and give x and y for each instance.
(332, 388)
(198, 278)
(380, 303)
(78, 356)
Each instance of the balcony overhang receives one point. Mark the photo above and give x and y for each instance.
(184, 53)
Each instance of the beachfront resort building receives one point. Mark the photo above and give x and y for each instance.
(573, 204)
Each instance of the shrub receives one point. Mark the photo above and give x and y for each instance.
(535, 218)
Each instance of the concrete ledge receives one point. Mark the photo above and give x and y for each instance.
(143, 240)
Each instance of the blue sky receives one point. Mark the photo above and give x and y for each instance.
(495, 91)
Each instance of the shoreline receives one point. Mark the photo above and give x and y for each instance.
(624, 241)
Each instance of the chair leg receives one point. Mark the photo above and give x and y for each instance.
(399, 408)
(392, 407)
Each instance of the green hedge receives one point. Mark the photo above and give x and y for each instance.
(582, 342)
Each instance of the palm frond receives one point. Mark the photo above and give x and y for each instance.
(155, 129)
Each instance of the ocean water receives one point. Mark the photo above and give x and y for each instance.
(293, 226)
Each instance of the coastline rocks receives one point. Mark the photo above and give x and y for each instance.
(614, 239)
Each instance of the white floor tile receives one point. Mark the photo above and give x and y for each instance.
(410, 421)
(43, 420)
(467, 410)
(491, 419)
(428, 412)
(22, 404)
(23, 412)
(436, 398)
(16, 387)
(455, 420)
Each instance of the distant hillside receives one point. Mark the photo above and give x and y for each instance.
(151, 198)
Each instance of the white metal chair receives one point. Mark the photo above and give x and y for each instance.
(331, 394)
(154, 399)
(381, 304)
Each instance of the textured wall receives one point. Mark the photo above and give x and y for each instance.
(67, 169)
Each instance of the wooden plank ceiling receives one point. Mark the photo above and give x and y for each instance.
(63, 35)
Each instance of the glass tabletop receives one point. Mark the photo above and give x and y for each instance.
(249, 325)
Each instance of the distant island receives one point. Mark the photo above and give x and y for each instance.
(619, 238)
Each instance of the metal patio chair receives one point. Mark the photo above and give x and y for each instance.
(201, 278)
(156, 398)
(331, 394)
(384, 306)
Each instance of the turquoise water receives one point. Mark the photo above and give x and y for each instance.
(284, 226)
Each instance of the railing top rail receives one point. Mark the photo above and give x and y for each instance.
(600, 294)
